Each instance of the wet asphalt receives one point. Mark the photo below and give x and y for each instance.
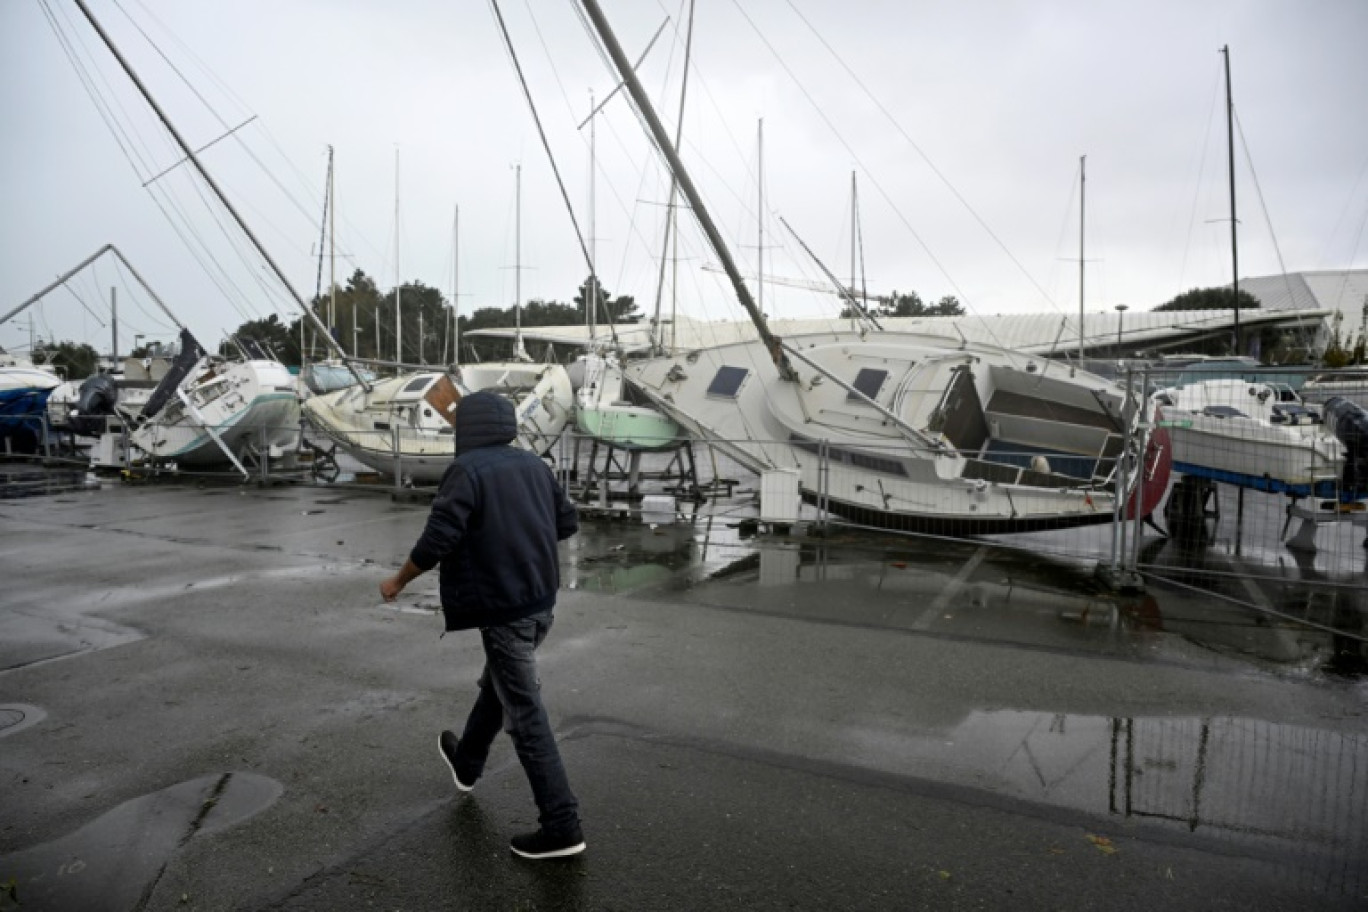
(204, 704)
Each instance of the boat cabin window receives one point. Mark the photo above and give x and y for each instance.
(414, 386)
(868, 381)
(1223, 411)
(727, 381)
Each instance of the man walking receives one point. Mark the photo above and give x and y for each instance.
(494, 527)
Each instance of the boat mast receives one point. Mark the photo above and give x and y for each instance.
(1082, 190)
(456, 289)
(853, 222)
(591, 304)
(662, 141)
(332, 249)
(519, 352)
(760, 214)
(672, 213)
(1234, 224)
(194, 160)
(398, 291)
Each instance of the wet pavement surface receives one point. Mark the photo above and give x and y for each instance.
(205, 705)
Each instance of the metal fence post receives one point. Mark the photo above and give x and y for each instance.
(823, 481)
(264, 456)
(1145, 428)
(398, 465)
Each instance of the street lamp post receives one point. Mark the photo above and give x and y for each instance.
(1120, 315)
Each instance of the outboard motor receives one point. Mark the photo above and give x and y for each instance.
(94, 401)
(1349, 421)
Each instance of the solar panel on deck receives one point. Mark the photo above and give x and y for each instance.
(727, 381)
(868, 381)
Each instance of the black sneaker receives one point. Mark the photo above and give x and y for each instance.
(542, 844)
(446, 746)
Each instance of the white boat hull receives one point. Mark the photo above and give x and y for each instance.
(1224, 430)
(237, 407)
(931, 454)
(398, 425)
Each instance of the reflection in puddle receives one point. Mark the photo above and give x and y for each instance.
(115, 861)
(1284, 792)
(977, 592)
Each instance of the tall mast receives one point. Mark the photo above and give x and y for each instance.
(518, 350)
(624, 67)
(332, 248)
(194, 160)
(591, 305)
(672, 212)
(1082, 208)
(114, 325)
(398, 292)
(760, 214)
(853, 222)
(456, 287)
(1230, 167)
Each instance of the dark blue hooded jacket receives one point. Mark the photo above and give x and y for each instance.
(495, 522)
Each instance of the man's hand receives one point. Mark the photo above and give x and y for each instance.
(391, 587)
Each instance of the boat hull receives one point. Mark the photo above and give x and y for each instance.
(1224, 430)
(399, 426)
(241, 407)
(937, 438)
(629, 427)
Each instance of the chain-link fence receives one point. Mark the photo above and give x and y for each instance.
(1264, 503)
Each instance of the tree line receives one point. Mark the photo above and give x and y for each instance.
(361, 317)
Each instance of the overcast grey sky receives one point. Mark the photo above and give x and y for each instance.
(965, 121)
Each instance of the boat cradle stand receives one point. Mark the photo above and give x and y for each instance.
(680, 474)
(1315, 516)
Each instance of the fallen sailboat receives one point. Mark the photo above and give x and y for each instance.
(903, 430)
(899, 430)
(406, 424)
(208, 411)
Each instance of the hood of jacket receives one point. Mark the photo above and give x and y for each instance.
(484, 419)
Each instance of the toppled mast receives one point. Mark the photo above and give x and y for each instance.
(666, 147)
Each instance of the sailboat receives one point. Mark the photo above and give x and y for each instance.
(211, 411)
(405, 425)
(1247, 433)
(898, 429)
(602, 411)
(203, 411)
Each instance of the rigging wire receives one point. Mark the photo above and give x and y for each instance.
(1197, 188)
(920, 152)
(633, 229)
(1263, 205)
(527, 93)
(210, 108)
(841, 138)
(136, 159)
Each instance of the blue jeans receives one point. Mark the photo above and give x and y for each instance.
(510, 698)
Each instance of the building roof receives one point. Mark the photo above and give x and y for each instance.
(1342, 290)
(1040, 334)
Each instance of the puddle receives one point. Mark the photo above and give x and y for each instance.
(114, 862)
(18, 482)
(980, 592)
(1287, 792)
